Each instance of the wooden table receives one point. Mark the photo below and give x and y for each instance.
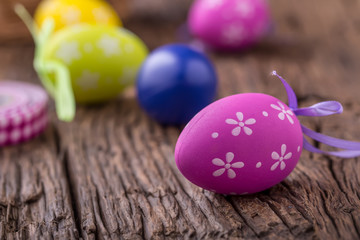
(111, 174)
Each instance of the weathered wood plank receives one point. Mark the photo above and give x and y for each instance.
(35, 202)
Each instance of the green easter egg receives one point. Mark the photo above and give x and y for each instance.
(102, 60)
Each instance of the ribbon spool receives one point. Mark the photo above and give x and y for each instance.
(23, 114)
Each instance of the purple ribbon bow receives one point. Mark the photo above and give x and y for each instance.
(351, 149)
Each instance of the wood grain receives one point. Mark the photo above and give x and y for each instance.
(111, 174)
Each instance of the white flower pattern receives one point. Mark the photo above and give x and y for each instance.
(213, 3)
(109, 45)
(244, 8)
(233, 34)
(101, 15)
(283, 112)
(71, 16)
(227, 166)
(280, 158)
(241, 124)
(68, 52)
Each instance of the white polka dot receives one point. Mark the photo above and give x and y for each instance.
(298, 149)
(3, 137)
(215, 135)
(265, 113)
(258, 165)
(27, 131)
(15, 135)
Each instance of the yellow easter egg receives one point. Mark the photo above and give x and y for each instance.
(102, 60)
(70, 12)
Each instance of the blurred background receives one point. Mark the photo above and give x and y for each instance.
(131, 12)
(319, 37)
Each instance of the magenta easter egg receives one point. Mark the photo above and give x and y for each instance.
(229, 24)
(240, 144)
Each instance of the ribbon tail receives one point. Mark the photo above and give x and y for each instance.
(293, 104)
(331, 141)
(352, 149)
(25, 16)
(342, 154)
(63, 92)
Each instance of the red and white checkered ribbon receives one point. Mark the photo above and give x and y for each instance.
(23, 113)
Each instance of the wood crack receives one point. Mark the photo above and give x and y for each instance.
(357, 227)
(101, 211)
(277, 212)
(299, 208)
(73, 199)
(238, 211)
(328, 214)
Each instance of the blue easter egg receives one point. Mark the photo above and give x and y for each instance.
(175, 82)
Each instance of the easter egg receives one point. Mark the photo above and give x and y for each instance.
(229, 24)
(102, 60)
(70, 12)
(175, 82)
(240, 144)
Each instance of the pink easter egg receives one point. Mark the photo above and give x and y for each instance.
(229, 24)
(240, 144)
